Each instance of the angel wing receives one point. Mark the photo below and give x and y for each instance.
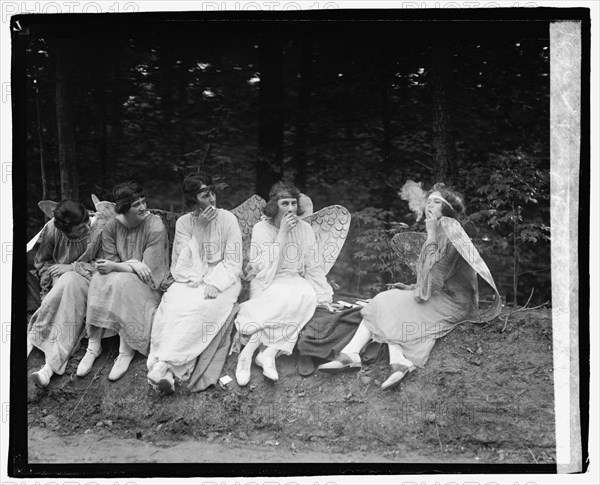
(104, 208)
(331, 225)
(407, 246)
(248, 214)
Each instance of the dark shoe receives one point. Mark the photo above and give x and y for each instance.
(305, 365)
(398, 373)
(342, 363)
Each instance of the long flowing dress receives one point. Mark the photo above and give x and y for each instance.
(121, 302)
(186, 323)
(286, 286)
(445, 295)
(58, 324)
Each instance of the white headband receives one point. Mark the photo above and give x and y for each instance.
(439, 197)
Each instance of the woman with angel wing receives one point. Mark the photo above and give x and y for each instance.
(287, 283)
(410, 319)
(126, 290)
(63, 263)
(207, 268)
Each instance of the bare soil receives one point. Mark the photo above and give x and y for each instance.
(485, 396)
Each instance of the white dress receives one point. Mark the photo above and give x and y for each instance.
(286, 286)
(186, 322)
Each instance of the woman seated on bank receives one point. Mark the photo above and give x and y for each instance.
(63, 264)
(410, 319)
(287, 283)
(207, 267)
(126, 290)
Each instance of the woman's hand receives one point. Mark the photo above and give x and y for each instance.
(143, 271)
(431, 224)
(206, 217)
(327, 306)
(288, 223)
(104, 266)
(400, 286)
(57, 270)
(210, 292)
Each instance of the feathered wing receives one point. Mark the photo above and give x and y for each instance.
(407, 246)
(248, 214)
(330, 225)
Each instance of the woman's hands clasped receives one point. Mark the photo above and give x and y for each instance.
(57, 270)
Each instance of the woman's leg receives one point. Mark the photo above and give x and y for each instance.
(94, 349)
(126, 355)
(397, 356)
(362, 336)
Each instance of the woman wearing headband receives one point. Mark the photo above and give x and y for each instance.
(410, 319)
(62, 262)
(288, 282)
(126, 290)
(207, 267)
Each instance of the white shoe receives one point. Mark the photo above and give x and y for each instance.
(157, 372)
(242, 371)
(399, 371)
(85, 366)
(268, 367)
(42, 377)
(343, 362)
(120, 366)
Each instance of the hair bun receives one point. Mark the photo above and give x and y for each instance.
(439, 185)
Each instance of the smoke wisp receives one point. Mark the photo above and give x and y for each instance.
(413, 193)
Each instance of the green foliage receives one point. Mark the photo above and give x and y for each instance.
(508, 196)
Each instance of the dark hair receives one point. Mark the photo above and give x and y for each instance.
(281, 190)
(454, 199)
(192, 186)
(124, 194)
(68, 214)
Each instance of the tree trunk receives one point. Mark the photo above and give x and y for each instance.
(65, 66)
(444, 150)
(303, 110)
(269, 161)
(41, 142)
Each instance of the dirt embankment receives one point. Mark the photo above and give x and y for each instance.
(486, 395)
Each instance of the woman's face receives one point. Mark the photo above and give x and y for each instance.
(287, 206)
(206, 198)
(138, 210)
(434, 204)
(79, 230)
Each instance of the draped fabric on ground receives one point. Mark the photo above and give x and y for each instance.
(121, 302)
(58, 324)
(186, 324)
(286, 285)
(445, 295)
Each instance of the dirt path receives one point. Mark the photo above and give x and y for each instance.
(485, 396)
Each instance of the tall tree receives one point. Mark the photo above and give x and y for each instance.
(303, 113)
(269, 161)
(444, 149)
(66, 57)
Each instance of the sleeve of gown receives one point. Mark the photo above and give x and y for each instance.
(264, 255)
(44, 258)
(313, 270)
(156, 252)
(228, 271)
(109, 242)
(183, 233)
(431, 254)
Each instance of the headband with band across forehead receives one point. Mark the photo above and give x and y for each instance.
(439, 197)
(129, 199)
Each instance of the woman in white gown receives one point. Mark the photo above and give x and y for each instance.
(287, 283)
(207, 267)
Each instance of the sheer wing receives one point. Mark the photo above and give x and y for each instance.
(248, 214)
(407, 246)
(331, 225)
(169, 220)
(104, 208)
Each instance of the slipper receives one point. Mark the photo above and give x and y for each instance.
(370, 352)
(305, 365)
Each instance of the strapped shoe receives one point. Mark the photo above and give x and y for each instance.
(342, 363)
(268, 367)
(398, 373)
(242, 371)
(42, 377)
(120, 366)
(85, 365)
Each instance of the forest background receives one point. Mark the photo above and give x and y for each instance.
(347, 110)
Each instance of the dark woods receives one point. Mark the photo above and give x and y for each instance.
(348, 114)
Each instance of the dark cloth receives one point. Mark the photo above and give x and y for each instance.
(33, 293)
(326, 333)
(209, 364)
